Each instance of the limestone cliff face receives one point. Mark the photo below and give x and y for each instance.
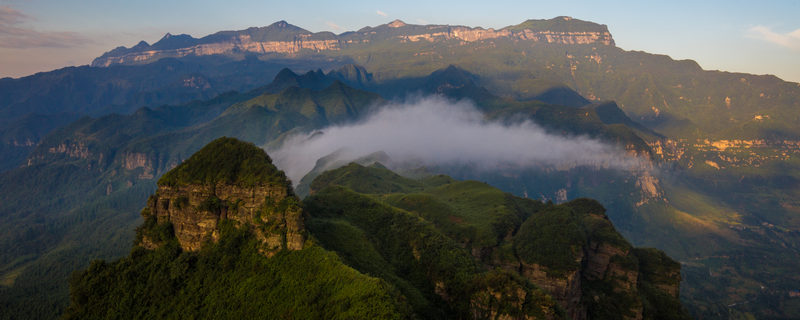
(195, 212)
(241, 43)
(283, 38)
(68, 149)
(598, 265)
(478, 34)
(135, 160)
(565, 289)
(603, 273)
(226, 181)
(73, 150)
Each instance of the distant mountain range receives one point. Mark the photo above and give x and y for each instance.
(284, 38)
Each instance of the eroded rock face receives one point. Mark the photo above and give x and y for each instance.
(500, 303)
(305, 41)
(597, 265)
(195, 212)
(242, 43)
(608, 273)
(72, 149)
(566, 290)
(135, 160)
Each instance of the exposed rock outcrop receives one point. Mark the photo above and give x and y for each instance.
(604, 275)
(135, 160)
(71, 149)
(195, 212)
(196, 209)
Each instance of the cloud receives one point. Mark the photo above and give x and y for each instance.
(433, 131)
(13, 35)
(381, 13)
(10, 16)
(789, 40)
(334, 26)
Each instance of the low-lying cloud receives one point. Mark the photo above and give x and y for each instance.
(433, 131)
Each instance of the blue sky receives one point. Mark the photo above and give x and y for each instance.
(761, 37)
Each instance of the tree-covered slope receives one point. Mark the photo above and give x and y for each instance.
(434, 248)
(230, 275)
(435, 237)
(97, 171)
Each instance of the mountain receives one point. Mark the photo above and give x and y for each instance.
(33, 106)
(722, 147)
(226, 218)
(528, 60)
(284, 38)
(720, 137)
(227, 223)
(98, 171)
(111, 163)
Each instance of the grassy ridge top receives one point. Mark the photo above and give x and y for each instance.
(226, 160)
(559, 24)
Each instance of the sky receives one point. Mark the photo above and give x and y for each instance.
(759, 37)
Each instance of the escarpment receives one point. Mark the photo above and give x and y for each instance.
(285, 39)
(227, 180)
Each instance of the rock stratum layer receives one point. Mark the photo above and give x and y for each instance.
(284, 38)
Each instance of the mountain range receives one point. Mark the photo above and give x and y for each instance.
(83, 148)
(432, 248)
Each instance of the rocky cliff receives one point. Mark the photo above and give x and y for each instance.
(227, 180)
(575, 254)
(286, 39)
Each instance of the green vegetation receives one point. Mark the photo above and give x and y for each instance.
(552, 238)
(63, 211)
(415, 256)
(655, 265)
(228, 161)
(366, 180)
(456, 235)
(559, 24)
(431, 248)
(229, 280)
(415, 250)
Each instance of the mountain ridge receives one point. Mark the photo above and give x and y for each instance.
(284, 38)
(429, 248)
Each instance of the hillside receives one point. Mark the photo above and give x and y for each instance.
(545, 261)
(98, 172)
(213, 239)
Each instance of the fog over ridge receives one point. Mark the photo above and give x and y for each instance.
(435, 131)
